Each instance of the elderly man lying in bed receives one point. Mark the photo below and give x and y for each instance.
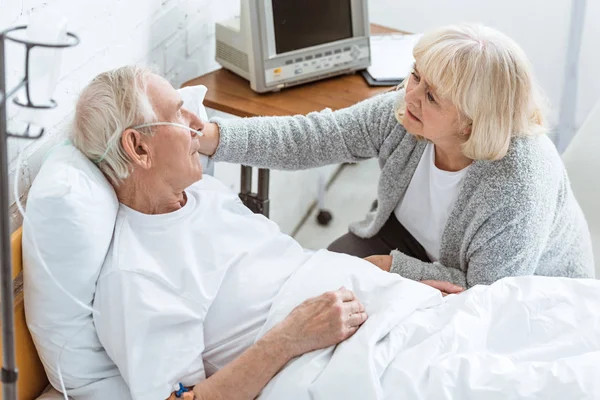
(197, 289)
(190, 269)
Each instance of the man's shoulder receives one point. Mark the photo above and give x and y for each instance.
(128, 257)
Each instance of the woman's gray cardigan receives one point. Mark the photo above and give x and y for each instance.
(516, 216)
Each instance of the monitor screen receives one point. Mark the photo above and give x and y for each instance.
(304, 23)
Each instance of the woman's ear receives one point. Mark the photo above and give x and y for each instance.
(467, 130)
(136, 148)
(465, 126)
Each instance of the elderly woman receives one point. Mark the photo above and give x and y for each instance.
(191, 273)
(471, 190)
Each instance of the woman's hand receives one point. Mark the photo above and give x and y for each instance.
(382, 261)
(321, 322)
(445, 287)
(209, 141)
(385, 263)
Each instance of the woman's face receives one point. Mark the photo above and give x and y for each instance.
(428, 115)
(173, 150)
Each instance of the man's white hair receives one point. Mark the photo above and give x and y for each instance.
(113, 102)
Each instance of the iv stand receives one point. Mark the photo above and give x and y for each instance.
(9, 371)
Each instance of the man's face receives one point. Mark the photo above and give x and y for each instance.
(173, 150)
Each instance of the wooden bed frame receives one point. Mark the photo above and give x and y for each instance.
(32, 377)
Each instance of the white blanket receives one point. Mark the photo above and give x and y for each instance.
(527, 337)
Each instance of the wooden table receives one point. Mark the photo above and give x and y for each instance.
(231, 93)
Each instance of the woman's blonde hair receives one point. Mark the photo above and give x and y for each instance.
(487, 76)
(114, 101)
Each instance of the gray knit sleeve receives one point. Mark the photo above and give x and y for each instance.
(509, 243)
(299, 142)
(417, 270)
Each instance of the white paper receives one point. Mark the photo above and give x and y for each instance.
(392, 56)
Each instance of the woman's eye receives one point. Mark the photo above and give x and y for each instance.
(430, 97)
(415, 76)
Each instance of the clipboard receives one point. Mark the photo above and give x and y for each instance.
(391, 59)
(375, 82)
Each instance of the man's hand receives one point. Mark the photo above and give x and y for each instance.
(445, 287)
(320, 322)
(382, 261)
(185, 396)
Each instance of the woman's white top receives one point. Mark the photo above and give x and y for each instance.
(189, 290)
(428, 202)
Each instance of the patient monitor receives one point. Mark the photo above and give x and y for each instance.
(279, 43)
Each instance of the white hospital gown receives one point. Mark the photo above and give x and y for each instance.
(182, 294)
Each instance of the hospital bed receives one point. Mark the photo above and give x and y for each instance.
(32, 377)
(33, 381)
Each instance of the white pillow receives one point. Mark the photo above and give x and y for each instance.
(71, 211)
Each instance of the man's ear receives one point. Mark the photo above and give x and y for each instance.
(136, 148)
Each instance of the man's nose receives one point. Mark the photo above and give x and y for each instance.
(194, 121)
(197, 124)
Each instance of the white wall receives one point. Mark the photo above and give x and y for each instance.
(589, 67)
(540, 26)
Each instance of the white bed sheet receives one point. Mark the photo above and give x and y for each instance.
(526, 337)
(51, 394)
